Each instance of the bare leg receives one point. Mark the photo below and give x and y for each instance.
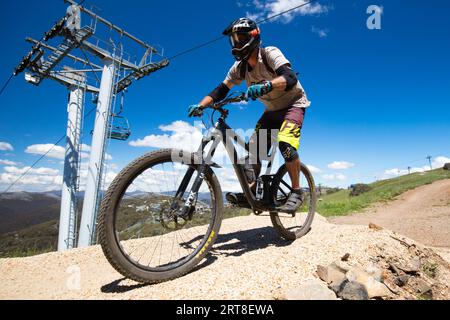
(293, 169)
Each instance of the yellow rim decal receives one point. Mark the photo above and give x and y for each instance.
(208, 242)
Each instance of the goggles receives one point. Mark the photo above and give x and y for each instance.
(240, 39)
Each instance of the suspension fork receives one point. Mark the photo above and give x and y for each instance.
(191, 200)
(184, 183)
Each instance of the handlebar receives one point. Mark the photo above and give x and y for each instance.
(232, 98)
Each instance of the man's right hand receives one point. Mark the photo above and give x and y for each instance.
(195, 110)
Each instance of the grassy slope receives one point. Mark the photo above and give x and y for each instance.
(30, 241)
(341, 203)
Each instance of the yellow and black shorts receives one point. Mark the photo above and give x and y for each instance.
(288, 121)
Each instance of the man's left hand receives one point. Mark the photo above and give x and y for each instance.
(258, 90)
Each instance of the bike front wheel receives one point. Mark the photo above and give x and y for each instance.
(288, 226)
(140, 232)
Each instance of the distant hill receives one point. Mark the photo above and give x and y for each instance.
(30, 241)
(29, 221)
(20, 210)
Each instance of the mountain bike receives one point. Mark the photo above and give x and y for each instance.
(162, 214)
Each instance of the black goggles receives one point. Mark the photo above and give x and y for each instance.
(239, 40)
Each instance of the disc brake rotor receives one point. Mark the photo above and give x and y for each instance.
(168, 216)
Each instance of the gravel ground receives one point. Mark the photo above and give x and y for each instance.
(249, 262)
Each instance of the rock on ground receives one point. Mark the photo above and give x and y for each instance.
(312, 289)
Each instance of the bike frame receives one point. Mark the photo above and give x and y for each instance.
(216, 135)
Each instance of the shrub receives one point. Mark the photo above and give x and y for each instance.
(333, 190)
(359, 189)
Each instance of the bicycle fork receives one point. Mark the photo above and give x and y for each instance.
(191, 200)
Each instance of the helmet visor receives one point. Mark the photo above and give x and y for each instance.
(239, 40)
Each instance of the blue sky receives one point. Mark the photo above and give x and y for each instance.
(380, 98)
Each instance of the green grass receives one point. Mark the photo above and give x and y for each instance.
(38, 239)
(340, 203)
(430, 269)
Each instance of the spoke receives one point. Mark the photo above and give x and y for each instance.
(160, 251)
(175, 181)
(143, 254)
(173, 243)
(165, 179)
(151, 258)
(178, 242)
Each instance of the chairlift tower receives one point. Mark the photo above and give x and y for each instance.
(105, 70)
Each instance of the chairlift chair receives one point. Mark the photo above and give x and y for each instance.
(119, 128)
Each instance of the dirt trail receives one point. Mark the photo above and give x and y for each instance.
(422, 214)
(249, 262)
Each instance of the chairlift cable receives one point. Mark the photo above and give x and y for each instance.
(221, 37)
(6, 84)
(32, 166)
(43, 156)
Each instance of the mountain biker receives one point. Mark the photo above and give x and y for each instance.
(269, 78)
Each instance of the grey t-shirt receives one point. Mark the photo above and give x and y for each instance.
(275, 100)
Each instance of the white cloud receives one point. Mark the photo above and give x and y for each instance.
(32, 180)
(85, 148)
(331, 177)
(55, 152)
(58, 152)
(322, 33)
(228, 180)
(113, 166)
(36, 180)
(5, 146)
(341, 165)
(47, 179)
(184, 136)
(313, 169)
(439, 162)
(7, 162)
(396, 172)
(274, 7)
(38, 171)
(392, 172)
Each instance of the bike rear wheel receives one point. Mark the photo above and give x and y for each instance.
(292, 227)
(139, 230)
